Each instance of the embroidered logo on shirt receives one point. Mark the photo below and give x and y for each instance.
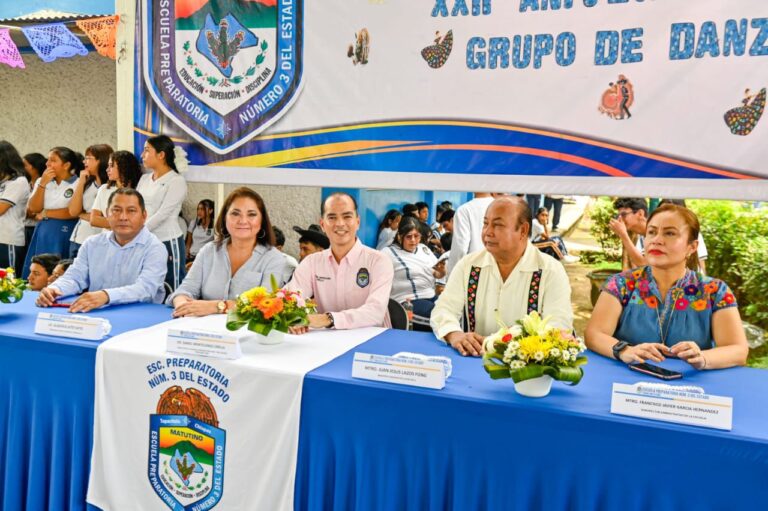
(69, 192)
(321, 279)
(363, 277)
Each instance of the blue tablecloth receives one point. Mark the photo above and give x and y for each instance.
(478, 445)
(46, 406)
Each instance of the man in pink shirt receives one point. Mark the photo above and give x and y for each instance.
(349, 281)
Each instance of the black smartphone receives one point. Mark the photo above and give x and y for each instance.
(656, 371)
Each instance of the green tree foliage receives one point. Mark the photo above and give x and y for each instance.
(601, 213)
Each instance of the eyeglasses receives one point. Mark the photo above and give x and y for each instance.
(88, 158)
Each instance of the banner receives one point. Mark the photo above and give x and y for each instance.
(193, 433)
(546, 96)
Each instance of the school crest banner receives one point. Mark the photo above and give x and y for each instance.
(560, 96)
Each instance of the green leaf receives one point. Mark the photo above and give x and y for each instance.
(529, 371)
(190, 62)
(198, 73)
(497, 371)
(251, 71)
(186, 46)
(264, 45)
(235, 321)
(571, 375)
(259, 59)
(237, 79)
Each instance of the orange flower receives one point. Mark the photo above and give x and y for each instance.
(710, 287)
(270, 306)
(699, 305)
(652, 302)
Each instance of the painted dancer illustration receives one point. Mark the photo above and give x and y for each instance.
(742, 120)
(617, 99)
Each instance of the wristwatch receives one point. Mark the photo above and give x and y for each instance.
(221, 307)
(44, 215)
(331, 323)
(617, 349)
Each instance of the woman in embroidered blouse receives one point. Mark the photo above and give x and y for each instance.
(242, 257)
(665, 309)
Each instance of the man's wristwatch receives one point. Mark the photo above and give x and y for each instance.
(617, 349)
(331, 323)
(221, 307)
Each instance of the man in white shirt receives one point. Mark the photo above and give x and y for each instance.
(467, 228)
(510, 277)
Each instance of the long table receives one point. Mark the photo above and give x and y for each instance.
(364, 445)
(46, 406)
(477, 444)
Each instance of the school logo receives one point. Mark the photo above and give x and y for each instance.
(363, 277)
(68, 193)
(222, 70)
(186, 451)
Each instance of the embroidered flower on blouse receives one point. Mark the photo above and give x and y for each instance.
(652, 302)
(691, 290)
(681, 304)
(710, 287)
(643, 286)
(729, 298)
(699, 305)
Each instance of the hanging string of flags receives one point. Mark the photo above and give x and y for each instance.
(54, 40)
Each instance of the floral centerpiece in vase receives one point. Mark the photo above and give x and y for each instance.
(11, 288)
(270, 313)
(533, 354)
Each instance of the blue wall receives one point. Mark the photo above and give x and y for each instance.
(373, 205)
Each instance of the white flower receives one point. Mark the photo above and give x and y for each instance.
(516, 330)
(514, 345)
(539, 356)
(488, 343)
(517, 364)
(566, 356)
(554, 352)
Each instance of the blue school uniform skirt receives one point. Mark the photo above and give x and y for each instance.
(50, 237)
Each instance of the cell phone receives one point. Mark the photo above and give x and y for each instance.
(65, 305)
(656, 371)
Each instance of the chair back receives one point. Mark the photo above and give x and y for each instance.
(398, 315)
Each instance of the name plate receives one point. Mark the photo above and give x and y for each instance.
(203, 344)
(669, 403)
(411, 371)
(72, 326)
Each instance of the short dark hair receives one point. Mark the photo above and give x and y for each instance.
(421, 205)
(410, 209)
(338, 194)
(632, 203)
(129, 192)
(542, 210)
(65, 263)
(47, 261)
(447, 215)
(279, 236)
(407, 224)
(446, 240)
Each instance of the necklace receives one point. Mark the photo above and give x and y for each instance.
(661, 317)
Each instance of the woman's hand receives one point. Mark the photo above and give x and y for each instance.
(640, 353)
(691, 353)
(190, 307)
(47, 176)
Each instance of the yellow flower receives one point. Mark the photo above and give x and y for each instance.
(532, 344)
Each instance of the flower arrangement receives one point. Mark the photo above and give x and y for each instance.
(264, 311)
(530, 349)
(11, 288)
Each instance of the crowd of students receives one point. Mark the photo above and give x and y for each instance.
(120, 233)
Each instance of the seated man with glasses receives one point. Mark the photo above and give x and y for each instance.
(124, 265)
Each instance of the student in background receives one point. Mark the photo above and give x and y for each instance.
(14, 194)
(91, 179)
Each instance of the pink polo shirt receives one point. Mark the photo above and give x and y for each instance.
(356, 290)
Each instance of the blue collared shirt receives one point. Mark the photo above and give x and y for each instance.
(129, 274)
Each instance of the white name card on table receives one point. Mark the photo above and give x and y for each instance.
(411, 371)
(670, 403)
(73, 326)
(204, 344)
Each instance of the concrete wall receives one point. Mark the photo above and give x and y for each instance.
(68, 102)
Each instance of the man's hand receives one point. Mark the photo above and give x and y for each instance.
(47, 297)
(469, 343)
(618, 227)
(315, 321)
(88, 301)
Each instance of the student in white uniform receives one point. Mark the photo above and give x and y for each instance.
(14, 194)
(123, 171)
(164, 191)
(91, 179)
(200, 230)
(34, 166)
(50, 203)
(414, 266)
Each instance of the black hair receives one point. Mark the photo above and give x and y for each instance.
(446, 204)
(421, 205)
(65, 263)
(128, 168)
(632, 203)
(67, 155)
(447, 215)
(279, 236)
(338, 194)
(407, 224)
(542, 210)
(446, 241)
(37, 161)
(164, 144)
(210, 214)
(47, 261)
(11, 165)
(410, 210)
(391, 215)
(677, 202)
(129, 192)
